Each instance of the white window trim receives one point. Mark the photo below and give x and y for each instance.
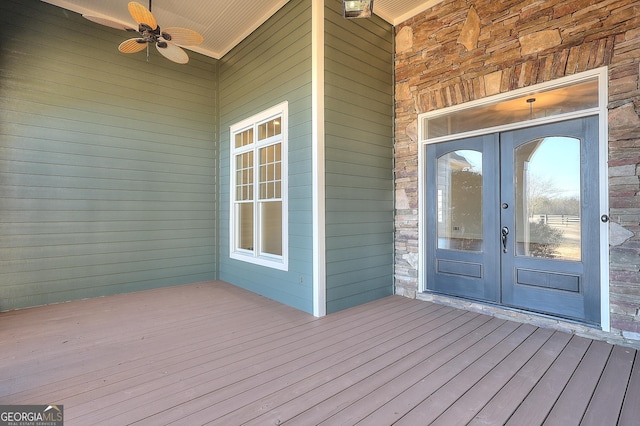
(601, 111)
(268, 260)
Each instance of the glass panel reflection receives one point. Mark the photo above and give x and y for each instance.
(271, 227)
(245, 230)
(459, 198)
(575, 97)
(547, 186)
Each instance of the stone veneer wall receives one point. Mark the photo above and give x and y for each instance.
(460, 50)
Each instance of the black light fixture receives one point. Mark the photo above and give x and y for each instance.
(357, 8)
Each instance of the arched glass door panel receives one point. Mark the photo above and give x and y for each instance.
(462, 187)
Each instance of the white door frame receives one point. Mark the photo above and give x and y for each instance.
(601, 110)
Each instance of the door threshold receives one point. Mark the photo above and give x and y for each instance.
(590, 331)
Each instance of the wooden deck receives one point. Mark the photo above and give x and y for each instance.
(212, 353)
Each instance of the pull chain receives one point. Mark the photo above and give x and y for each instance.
(148, 43)
(530, 101)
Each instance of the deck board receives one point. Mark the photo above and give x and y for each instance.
(468, 398)
(430, 396)
(280, 357)
(304, 373)
(608, 397)
(504, 403)
(630, 407)
(576, 395)
(341, 391)
(535, 407)
(211, 371)
(211, 353)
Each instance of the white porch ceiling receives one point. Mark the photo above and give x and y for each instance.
(223, 23)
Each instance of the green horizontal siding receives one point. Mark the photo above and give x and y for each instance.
(358, 155)
(107, 162)
(271, 66)
(112, 178)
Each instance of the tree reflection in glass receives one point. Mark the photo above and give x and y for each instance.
(459, 198)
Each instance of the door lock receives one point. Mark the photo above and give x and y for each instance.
(504, 232)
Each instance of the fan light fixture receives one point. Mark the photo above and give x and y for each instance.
(357, 9)
(169, 41)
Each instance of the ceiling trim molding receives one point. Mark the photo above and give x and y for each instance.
(395, 20)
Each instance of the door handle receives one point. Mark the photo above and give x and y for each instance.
(504, 233)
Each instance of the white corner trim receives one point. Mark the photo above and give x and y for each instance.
(318, 158)
(422, 206)
(603, 127)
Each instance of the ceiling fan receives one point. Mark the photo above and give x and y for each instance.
(167, 41)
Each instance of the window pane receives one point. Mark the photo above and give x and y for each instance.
(263, 173)
(552, 102)
(244, 176)
(269, 129)
(547, 189)
(459, 192)
(244, 138)
(245, 226)
(270, 172)
(271, 227)
(276, 126)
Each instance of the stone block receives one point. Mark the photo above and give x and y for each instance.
(618, 234)
(404, 39)
(470, 30)
(623, 117)
(632, 181)
(625, 170)
(539, 41)
(493, 82)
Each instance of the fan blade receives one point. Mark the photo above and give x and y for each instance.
(110, 23)
(173, 53)
(182, 36)
(142, 15)
(132, 45)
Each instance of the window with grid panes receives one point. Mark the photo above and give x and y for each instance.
(258, 220)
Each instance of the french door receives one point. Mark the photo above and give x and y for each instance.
(513, 218)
